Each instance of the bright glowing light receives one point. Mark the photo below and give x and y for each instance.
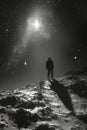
(75, 57)
(35, 29)
(36, 24)
(25, 63)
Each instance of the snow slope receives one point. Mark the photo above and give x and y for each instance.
(56, 105)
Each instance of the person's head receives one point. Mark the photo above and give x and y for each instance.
(49, 58)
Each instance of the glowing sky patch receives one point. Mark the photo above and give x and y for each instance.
(37, 24)
(34, 24)
(36, 28)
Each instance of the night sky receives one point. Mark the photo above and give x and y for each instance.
(33, 30)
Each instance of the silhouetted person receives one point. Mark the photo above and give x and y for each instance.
(49, 67)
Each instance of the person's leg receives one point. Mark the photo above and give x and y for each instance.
(48, 75)
(52, 74)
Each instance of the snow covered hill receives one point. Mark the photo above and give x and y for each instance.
(56, 105)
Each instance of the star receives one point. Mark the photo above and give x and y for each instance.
(78, 50)
(7, 30)
(25, 63)
(75, 57)
(37, 24)
(34, 24)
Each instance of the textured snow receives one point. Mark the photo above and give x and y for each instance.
(38, 107)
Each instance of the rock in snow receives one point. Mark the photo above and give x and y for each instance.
(60, 104)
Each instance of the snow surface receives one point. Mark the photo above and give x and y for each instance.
(39, 107)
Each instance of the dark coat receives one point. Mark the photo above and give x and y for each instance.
(49, 64)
